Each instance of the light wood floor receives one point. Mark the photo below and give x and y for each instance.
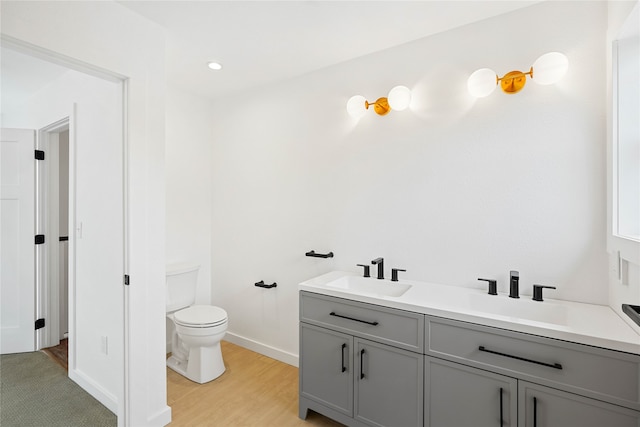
(255, 390)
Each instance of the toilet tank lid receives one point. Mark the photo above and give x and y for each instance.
(181, 267)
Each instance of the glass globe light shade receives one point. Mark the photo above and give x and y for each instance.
(482, 82)
(399, 98)
(550, 68)
(356, 106)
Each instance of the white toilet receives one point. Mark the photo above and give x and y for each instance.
(195, 344)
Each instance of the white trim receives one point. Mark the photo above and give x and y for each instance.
(40, 265)
(264, 349)
(72, 239)
(162, 418)
(628, 247)
(621, 246)
(59, 59)
(51, 295)
(48, 290)
(101, 395)
(126, 302)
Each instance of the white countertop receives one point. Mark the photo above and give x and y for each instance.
(590, 324)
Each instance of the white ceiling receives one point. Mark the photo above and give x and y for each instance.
(263, 42)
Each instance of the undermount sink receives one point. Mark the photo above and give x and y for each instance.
(366, 285)
(522, 308)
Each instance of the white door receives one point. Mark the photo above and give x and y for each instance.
(17, 247)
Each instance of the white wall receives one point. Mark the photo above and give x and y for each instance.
(453, 190)
(110, 37)
(188, 187)
(94, 107)
(188, 184)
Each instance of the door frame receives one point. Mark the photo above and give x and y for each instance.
(47, 190)
(123, 411)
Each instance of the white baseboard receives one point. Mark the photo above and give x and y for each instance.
(95, 390)
(258, 347)
(162, 418)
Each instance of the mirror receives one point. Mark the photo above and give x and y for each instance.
(626, 128)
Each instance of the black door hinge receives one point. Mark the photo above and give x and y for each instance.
(126, 279)
(39, 239)
(39, 155)
(39, 324)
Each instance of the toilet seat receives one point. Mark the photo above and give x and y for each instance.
(200, 316)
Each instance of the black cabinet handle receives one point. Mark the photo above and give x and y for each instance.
(344, 368)
(501, 419)
(535, 412)
(550, 365)
(315, 255)
(361, 364)
(352, 318)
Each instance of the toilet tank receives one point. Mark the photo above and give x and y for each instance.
(181, 285)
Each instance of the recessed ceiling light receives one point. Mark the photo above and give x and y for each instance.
(215, 66)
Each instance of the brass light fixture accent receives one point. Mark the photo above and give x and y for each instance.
(514, 81)
(381, 106)
(398, 99)
(550, 68)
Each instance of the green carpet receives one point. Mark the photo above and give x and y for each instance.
(36, 392)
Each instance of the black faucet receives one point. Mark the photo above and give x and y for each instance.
(380, 263)
(514, 279)
(394, 274)
(366, 270)
(493, 286)
(537, 291)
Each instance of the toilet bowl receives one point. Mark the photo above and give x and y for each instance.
(197, 329)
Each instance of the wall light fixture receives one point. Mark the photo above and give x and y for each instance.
(398, 99)
(548, 69)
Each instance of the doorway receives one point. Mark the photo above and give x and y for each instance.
(53, 295)
(79, 115)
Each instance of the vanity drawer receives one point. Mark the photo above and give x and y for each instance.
(398, 328)
(602, 374)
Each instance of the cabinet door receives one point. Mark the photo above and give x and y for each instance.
(541, 406)
(326, 368)
(389, 385)
(461, 396)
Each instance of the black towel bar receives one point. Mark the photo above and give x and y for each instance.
(315, 255)
(261, 284)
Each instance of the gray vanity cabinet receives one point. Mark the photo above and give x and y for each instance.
(326, 371)
(461, 396)
(559, 383)
(361, 364)
(367, 365)
(542, 406)
(389, 385)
